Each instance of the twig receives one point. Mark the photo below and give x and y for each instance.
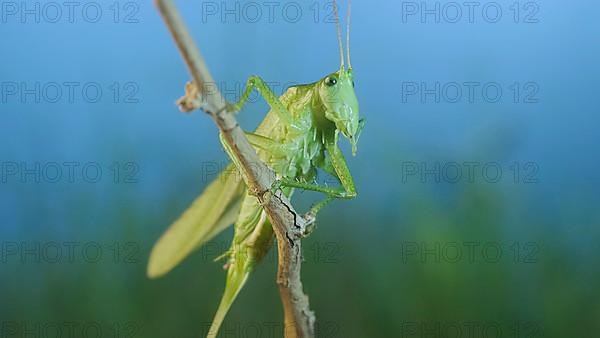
(289, 227)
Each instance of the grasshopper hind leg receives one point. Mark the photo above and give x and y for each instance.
(252, 240)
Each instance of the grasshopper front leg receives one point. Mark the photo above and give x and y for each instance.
(337, 162)
(335, 165)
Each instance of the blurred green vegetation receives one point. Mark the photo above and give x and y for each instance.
(362, 273)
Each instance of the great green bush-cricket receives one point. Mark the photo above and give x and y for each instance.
(298, 136)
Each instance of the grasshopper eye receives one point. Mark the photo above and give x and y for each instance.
(352, 83)
(330, 81)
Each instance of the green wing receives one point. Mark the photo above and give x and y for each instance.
(212, 212)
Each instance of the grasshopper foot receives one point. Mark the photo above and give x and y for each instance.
(311, 224)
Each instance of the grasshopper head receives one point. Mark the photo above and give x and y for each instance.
(336, 91)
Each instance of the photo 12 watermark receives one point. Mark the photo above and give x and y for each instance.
(470, 252)
(68, 252)
(318, 252)
(470, 92)
(469, 172)
(454, 12)
(233, 91)
(268, 329)
(469, 329)
(54, 12)
(67, 329)
(69, 92)
(267, 12)
(68, 172)
(223, 171)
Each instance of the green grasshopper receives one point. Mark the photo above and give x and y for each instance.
(298, 136)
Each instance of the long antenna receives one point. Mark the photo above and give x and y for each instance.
(339, 32)
(348, 33)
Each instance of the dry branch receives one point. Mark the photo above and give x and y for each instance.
(289, 226)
